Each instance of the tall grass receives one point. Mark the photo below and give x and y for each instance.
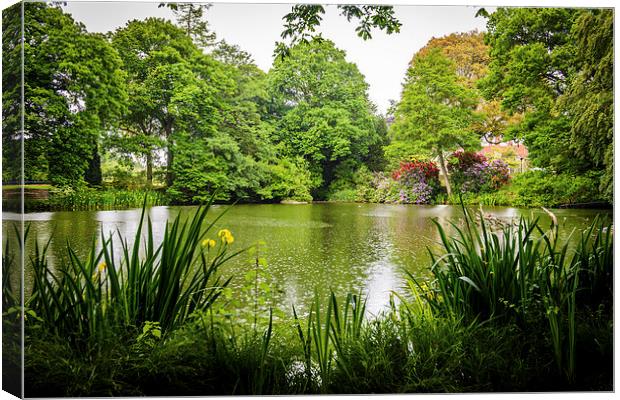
(517, 273)
(162, 283)
(326, 337)
(505, 303)
(97, 199)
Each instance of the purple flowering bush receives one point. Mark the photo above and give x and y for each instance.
(472, 172)
(418, 182)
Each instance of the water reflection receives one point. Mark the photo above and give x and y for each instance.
(318, 247)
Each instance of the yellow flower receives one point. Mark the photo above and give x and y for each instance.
(100, 270)
(226, 236)
(208, 243)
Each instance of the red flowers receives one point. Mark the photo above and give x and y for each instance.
(426, 168)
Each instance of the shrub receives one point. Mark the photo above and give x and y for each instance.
(472, 172)
(543, 188)
(498, 174)
(418, 181)
(377, 187)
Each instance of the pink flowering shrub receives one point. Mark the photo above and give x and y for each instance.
(472, 172)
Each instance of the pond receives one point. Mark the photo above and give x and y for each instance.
(322, 246)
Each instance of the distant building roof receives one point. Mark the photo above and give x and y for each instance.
(519, 149)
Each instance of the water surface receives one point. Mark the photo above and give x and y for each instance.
(339, 246)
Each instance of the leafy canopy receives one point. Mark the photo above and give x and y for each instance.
(302, 22)
(320, 108)
(74, 89)
(436, 110)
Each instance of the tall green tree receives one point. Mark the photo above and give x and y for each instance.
(436, 110)
(532, 54)
(228, 160)
(11, 102)
(589, 98)
(74, 90)
(321, 110)
(554, 65)
(172, 85)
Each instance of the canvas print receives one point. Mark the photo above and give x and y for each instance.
(206, 199)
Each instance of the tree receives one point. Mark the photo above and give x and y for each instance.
(555, 66)
(73, 89)
(468, 52)
(11, 102)
(171, 83)
(234, 159)
(589, 99)
(532, 54)
(320, 110)
(471, 59)
(191, 17)
(303, 20)
(436, 111)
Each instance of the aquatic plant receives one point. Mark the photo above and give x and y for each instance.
(165, 283)
(520, 273)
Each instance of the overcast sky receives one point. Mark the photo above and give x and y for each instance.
(256, 27)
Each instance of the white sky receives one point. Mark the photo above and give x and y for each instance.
(256, 27)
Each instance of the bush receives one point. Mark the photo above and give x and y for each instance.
(375, 187)
(287, 180)
(543, 188)
(472, 172)
(418, 182)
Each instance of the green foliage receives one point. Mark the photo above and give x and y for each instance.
(163, 284)
(541, 302)
(75, 90)
(589, 98)
(287, 180)
(84, 198)
(521, 273)
(539, 188)
(558, 73)
(321, 110)
(174, 88)
(304, 19)
(11, 101)
(432, 88)
(377, 187)
(325, 339)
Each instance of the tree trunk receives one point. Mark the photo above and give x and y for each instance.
(169, 154)
(444, 171)
(149, 169)
(93, 175)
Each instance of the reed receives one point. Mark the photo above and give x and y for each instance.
(518, 273)
(164, 283)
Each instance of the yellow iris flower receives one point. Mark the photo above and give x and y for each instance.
(208, 243)
(226, 236)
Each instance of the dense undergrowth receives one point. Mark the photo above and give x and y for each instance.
(509, 308)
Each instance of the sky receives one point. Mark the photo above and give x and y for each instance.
(383, 60)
